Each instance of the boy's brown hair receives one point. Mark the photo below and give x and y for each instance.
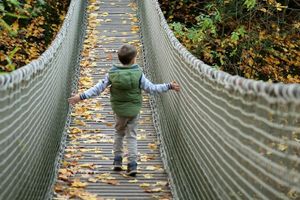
(127, 53)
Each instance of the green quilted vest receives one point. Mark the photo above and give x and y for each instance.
(126, 95)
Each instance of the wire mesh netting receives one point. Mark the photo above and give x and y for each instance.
(224, 137)
(33, 111)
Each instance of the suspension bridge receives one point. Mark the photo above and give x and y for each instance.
(221, 137)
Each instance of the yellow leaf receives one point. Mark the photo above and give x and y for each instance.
(148, 176)
(111, 182)
(293, 194)
(145, 158)
(63, 177)
(282, 147)
(161, 183)
(141, 137)
(58, 188)
(87, 165)
(145, 185)
(103, 176)
(134, 19)
(263, 10)
(93, 180)
(296, 135)
(15, 26)
(154, 190)
(133, 181)
(79, 122)
(75, 130)
(152, 146)
(151, 168)
(63, 171)
(98, 106)
(61, 17)
(99, 116)
(135, 28)
(78, 184)
(109, 124)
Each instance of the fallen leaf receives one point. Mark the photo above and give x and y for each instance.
(134, 19)
(151, 168)
(93, 180)
(87, 165)
(98, 106)
(282, 147)
(135, 28)
(63, 177)
(148, 176)
(75, 130)
(145, 185)
(133, 181)
(78, 184)
(105, 14)
(161, 183)
(103, 176)
(80, 122)
(153, 190)
(111, 182)
(109, 124)
(152, 146)
(58, 188)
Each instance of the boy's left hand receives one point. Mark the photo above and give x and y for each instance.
(74, 99)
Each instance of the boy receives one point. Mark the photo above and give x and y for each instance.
(126, 83)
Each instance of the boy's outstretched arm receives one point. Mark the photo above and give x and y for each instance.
(92, 92)
(148, 86)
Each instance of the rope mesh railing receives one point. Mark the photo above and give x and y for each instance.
(33, 110)
(224, 137)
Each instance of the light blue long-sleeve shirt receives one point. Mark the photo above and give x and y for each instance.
(145, 85)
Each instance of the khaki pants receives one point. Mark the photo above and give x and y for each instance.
(126, 126)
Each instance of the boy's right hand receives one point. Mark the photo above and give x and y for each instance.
(74, 99)
(175, 86)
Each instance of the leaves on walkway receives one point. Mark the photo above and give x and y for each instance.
(153, 190)
(152, 146)
(80, 169)
(78, 184)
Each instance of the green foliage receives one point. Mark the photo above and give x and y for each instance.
(11, 10)
(176, 10)
(250, 4)
(27, 28)
(257, 39)
(10, 65)
(178, 28)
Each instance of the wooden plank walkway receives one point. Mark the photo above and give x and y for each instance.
(86, 170)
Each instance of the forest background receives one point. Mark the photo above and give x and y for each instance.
(27, 28)
(256, 39)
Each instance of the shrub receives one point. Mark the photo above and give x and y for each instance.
(257, 39)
